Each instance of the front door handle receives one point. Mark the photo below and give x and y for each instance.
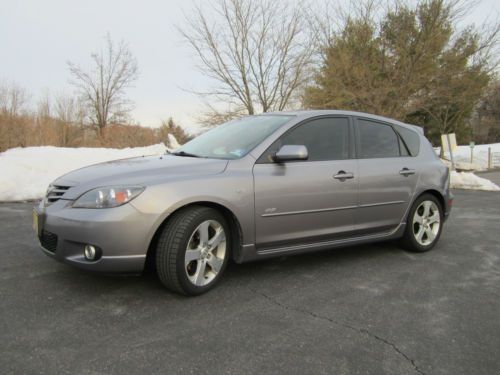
(406, 171)
(343, 175)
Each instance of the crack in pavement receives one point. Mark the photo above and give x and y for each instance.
(345, 325)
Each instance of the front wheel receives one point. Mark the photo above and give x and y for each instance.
(193, 250)
(424, 224)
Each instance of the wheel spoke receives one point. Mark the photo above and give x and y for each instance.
(215, 263)
(192, 255)
(420, 233)
(199, 278)
(434, 218)
(427, 206)
(203, 232)
(417, 218)
(217, 238)
(430, 234)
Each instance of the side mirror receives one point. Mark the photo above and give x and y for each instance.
(291, 153)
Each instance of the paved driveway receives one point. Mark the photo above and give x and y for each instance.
(365, 310)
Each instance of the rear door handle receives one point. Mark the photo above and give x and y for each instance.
(343, 175)
(406, 172)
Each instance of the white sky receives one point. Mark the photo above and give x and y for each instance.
(38, 37)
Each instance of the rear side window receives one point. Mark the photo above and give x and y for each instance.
(411, 140)
(325, 138)
(377, 140)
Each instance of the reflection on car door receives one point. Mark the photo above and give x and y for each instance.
(307, 201)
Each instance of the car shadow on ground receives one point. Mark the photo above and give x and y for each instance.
(267, 271)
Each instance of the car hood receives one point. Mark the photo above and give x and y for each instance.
(137, 171)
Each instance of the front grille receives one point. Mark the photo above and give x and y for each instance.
(48, 241)
(55, 193)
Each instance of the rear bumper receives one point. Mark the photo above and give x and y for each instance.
(448, 205)
(121, 234)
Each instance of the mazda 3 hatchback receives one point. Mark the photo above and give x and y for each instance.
(260, 186)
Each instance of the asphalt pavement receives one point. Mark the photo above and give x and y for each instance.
(371, 309)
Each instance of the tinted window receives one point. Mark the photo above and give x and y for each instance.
(377, 140)
(411, 139)
(325, 139)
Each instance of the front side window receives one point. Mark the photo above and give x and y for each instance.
(234, 139)
(377, 140)
(325, 138)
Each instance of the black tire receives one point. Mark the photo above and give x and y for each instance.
(172, 246)
(409, 240)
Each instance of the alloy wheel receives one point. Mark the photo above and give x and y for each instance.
(205, 252)
(426, 223)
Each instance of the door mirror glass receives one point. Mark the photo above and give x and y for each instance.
(291, 153)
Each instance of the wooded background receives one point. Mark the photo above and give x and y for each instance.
(413, 61)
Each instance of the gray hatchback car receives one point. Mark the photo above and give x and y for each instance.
(260, 186)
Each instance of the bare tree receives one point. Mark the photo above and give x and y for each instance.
(69, 109)
(44, 105)
(257, 51)
(13, 99)
(103, 87)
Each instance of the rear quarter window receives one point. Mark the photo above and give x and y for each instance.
(411, 140)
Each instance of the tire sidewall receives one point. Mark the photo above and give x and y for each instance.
(186, 284)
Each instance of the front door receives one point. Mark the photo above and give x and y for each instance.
(307, 201)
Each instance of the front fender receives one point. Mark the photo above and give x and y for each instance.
(234, 192)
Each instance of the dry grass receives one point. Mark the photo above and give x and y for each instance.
(26, 130)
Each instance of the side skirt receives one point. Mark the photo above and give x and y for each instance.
(251, 253)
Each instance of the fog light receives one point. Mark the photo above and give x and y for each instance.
(90, 252)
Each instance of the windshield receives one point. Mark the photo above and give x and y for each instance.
(233, 139)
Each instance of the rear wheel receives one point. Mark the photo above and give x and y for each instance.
(193, 250)
(424, 224)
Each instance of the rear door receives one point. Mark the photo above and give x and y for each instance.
(307, 201)
(387, 176)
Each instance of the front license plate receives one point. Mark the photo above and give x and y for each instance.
(35, 221)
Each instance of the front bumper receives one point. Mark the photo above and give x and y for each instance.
(122, 233)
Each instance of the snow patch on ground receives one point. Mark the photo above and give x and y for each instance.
(468, 180)
(26, 172)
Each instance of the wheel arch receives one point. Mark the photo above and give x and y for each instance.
(234, 224)
(434, 192)
(438, 195)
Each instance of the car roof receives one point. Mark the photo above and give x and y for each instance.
(321, 112)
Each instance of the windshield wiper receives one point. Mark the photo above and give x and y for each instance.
(184, 153)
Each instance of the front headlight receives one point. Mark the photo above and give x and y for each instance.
(107, 197)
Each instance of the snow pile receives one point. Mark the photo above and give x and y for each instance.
(480, 159)
(463, 166)
(25, 173)
(172, 142)
(468, 180)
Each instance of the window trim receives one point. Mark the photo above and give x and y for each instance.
(350, 144)
(358, 138)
